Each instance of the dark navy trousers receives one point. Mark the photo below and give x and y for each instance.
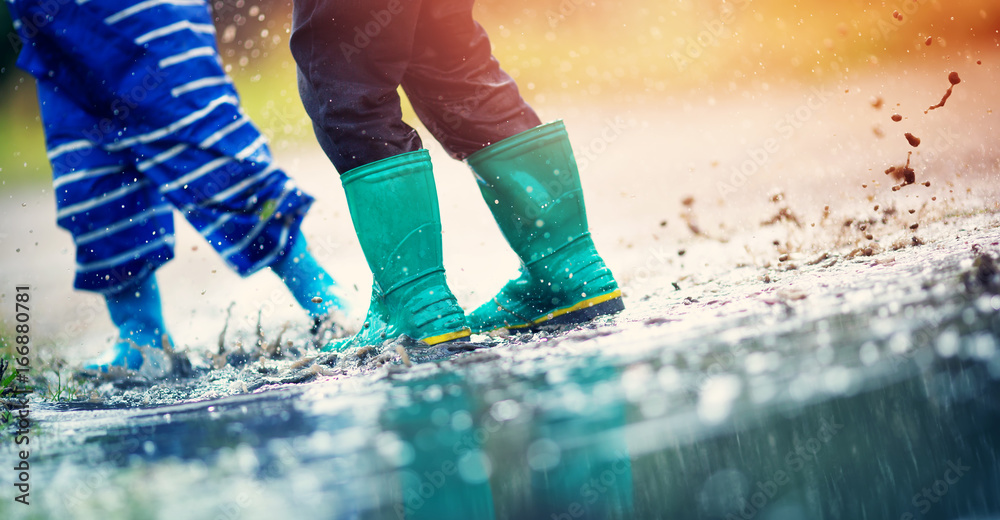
(353, 55)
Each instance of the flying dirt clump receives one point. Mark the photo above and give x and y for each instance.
(783, 215)
(903, 173)
(954, 80)
(688, 216)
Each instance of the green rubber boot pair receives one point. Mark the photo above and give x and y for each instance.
(531, 183)
(394, 206)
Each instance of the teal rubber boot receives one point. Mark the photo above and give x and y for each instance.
(394, 206)
(531, 183)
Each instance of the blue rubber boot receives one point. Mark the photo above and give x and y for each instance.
(137, 313)
(309, 283)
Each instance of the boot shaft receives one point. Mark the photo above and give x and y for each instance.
(532, 185)
(394, 207)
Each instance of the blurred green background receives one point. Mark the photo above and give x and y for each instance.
(624, 52)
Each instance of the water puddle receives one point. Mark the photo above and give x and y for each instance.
(865, 387)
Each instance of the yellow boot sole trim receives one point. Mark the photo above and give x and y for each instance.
(590, 302)
(434, 340)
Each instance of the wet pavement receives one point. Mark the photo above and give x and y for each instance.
(866, 387)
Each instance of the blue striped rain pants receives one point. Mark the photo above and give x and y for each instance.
(140, 119)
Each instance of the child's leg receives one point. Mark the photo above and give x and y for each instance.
(219, 172)
(349, 89)
(352, 57)
(348, 79)
(165, 99)
(457, 87)
(247, 209)
(122, 228)
(526, 173)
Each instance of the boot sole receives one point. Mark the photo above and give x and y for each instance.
(450, 336)
(603, 305)
(341, 344)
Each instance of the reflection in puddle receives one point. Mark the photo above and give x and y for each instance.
(883, 405)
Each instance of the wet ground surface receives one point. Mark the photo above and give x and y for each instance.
(865, 389)
(813, 344)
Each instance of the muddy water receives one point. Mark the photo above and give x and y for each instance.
(866, 388)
